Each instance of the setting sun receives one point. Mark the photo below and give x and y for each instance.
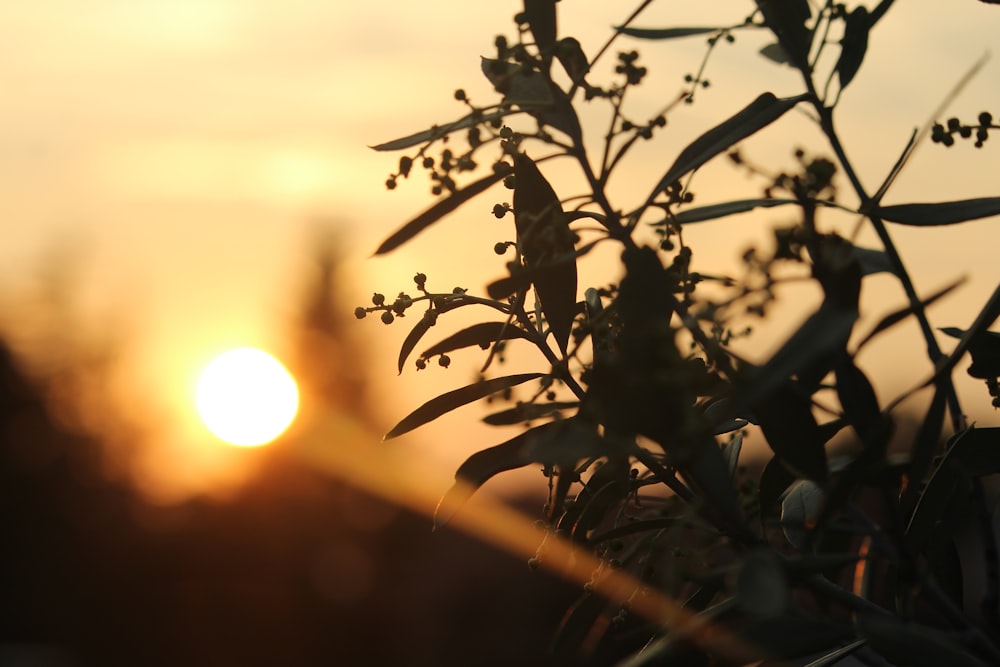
(246, 397)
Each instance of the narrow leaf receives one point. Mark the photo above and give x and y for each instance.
(977, 452)
(942, 213)
(984, 346)
(541, 15)
(786, 19)
(545, 237)
(775, 53)
(640, 526)
(909, 644)
(715, 211)
(854, 45)
(835, 656)
(731, 453)
(758, 114)
(775, 479)
(522, 277)
(573, 59)
(416, 333)
(483, 334)
(792, 433)
(480, 468)
(451, 400)
(436, 212)
(663, 33)
(808, 353)
(800, 510)
(707, 472)
(762, 585)
(568, 441)
(898, 316)
(579, 621)
(528, 411)
(857, 396)
(926, 442)
(440, 131)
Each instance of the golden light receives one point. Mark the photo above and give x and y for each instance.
(246, 397)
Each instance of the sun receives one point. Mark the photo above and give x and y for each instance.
(246, 397)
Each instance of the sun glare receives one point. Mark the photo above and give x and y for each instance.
(246, 397)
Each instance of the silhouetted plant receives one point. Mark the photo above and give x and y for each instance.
(639, 405)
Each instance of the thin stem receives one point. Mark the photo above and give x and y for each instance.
(895, 260)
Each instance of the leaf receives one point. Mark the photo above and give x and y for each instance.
(521, 278)
(910, 644)
(762, 585)
(977, 452)
(541, 18)
(775, 53)
(792, 433)
(518, 84)
(941, 213)
(799, 511)
(715, 211)
(808, 353)
(416, 333)
(568, 441)
(641, 526)
(984, 346)
(898, 316)
(436, 212)
(663, 33)
(758, 114)
(602, 495)
(545, 238)
(943, 500)
(534, 93)
(792, 635)
(731, 453)
(853, 45)
(786, 19)
(451, 400)
(483, 334)
(480, 468)
(987, 315)
(440, 131)
(528, 411)
(775, 479)
(705, 470)
(835, 656)
(873, 261)
(926, 441)
(580, 620)
(857, 396)
(573, 59)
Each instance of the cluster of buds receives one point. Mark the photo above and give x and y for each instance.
(399, 306)
(945, 134)
(627, 66)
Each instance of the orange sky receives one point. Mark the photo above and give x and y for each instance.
(186, 150)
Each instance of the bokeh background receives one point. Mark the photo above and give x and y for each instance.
(179, 178)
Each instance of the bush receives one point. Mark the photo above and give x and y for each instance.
(639, 405)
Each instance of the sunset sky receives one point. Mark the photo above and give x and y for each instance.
(185, 154)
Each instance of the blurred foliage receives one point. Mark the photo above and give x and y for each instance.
(637, 404)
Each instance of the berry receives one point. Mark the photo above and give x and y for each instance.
(360, 312)
(387, 317)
